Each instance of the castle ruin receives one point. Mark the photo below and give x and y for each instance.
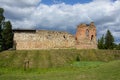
(85, 38)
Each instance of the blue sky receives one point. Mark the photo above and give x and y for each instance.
(50, 2)
(71, 2)
(64, 15)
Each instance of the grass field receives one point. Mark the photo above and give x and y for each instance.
(60, 65)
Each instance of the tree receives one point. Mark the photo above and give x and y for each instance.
(2, 18)
(109, 40)
(7, 35)
(118, 46)
(101, 42)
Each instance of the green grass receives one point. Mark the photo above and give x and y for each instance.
(54, 58)
(75, 71)
(60, 65)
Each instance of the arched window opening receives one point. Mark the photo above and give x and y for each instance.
(64, 36)
(75, 38)
(87, 33)
(92, 37)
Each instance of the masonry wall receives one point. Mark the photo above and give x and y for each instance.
(42, 39)
(86, 36)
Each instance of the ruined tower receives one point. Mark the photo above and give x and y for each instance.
(86, 36)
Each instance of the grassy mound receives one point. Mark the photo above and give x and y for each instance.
(54, 58)
(63, 64)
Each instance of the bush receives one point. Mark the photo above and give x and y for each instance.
(77, 58)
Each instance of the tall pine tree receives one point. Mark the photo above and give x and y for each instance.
(109, 40)
(2, 18)
(101, 42)
(7, 35)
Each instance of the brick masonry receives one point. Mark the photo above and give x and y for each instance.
(85, 38)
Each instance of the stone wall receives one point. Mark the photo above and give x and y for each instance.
(85, 38)
(42, 39)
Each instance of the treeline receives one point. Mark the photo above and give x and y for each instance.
(6, 34)
(107, 42)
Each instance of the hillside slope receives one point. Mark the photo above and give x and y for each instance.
(54, 58)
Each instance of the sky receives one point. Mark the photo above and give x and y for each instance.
(64, 15)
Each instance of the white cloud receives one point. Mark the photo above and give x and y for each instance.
(28, 14)
(19, 3)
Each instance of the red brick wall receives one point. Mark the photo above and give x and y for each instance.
(86, 36)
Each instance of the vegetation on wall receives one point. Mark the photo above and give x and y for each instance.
(6, 34)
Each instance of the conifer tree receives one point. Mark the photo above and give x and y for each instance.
(7, 35)
(2, 18)
(101, 42)
(109, 40)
